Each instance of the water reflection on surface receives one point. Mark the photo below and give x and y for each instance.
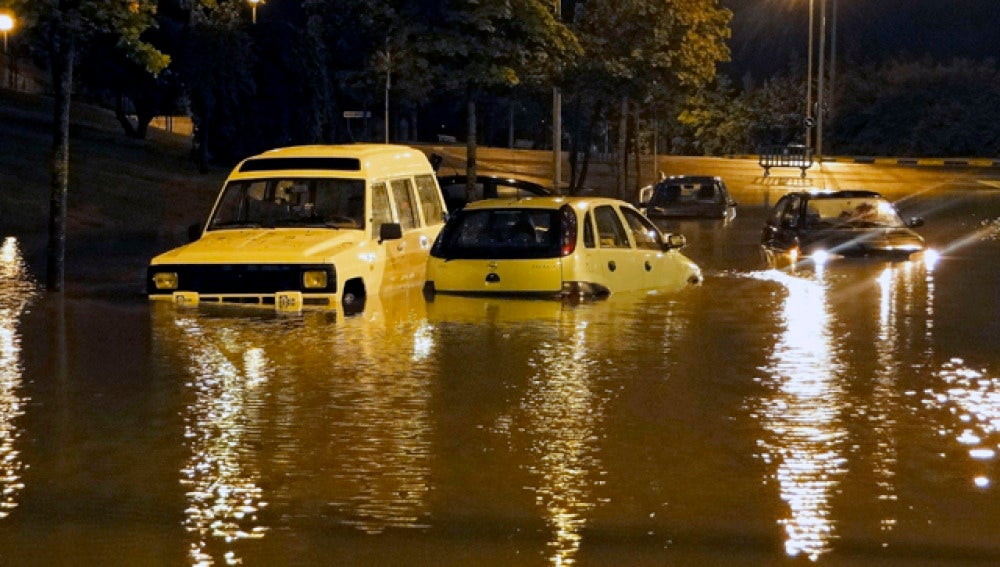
(276, 404)
(565, 415)
(16, 292)
(801, 410)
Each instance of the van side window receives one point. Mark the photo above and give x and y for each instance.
(381, 210)
(430, 202)
(609, 228)
(403, 198)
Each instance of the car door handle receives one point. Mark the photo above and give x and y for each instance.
(612, 266)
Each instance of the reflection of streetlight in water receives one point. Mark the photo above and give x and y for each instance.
(562, 405)
(802, 415)
(220, 477)
(16, 291)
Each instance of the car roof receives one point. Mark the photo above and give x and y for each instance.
(488, 179)
(843, 194)
(691, 179)
(344, 160)
(544, 202)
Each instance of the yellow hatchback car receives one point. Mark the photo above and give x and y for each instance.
(555, 246)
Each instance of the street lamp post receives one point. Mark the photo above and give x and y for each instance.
(809, 79)
(253, 10)
(7, 24)
(557, 126)
(819, 88)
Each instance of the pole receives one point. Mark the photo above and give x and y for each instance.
(388, 86)
(819, 90)
(557, 127)
(833, 58)
(809, 79)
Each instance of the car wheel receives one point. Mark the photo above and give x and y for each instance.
(353, 299)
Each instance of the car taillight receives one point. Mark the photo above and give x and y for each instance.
(568, 224)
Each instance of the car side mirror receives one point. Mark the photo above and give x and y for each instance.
(914, 222)
(674, 241)
(789, 223)
(733, 203)
(389, 231)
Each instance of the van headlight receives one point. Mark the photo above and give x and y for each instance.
(165, 280)
(314, 279)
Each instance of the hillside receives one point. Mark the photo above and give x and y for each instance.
(128, 199)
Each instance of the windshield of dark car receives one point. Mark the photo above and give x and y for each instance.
(851, 212)
(681, 194)
(277, 202)
(500, 234)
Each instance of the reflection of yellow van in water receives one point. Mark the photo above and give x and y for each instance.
(321, 226)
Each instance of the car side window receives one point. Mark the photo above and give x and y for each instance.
(646, 235)
(790, 213)
(611, 233)
(430, 203)
(588, 231)
(381, 210)
(403, 198)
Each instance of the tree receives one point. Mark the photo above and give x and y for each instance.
(635, 48)
(480, 47)
(62, 25)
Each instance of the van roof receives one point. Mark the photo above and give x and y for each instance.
(349, 160)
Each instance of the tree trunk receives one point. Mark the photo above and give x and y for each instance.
(470, 147)
(622, 150)
(63, 38)
(588, 138)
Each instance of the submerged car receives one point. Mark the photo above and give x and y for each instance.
(555, 246)
(323, 227)
(824, 225)
(688, 196)
(486, 186)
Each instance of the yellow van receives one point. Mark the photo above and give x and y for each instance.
(310, 226)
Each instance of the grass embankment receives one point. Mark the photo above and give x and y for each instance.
(128, 199)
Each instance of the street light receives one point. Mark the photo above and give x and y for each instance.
(6, 24)
(253, 10)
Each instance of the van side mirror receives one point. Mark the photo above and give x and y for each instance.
(914, 222)
(389, 231)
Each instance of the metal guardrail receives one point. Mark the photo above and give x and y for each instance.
(791, 155)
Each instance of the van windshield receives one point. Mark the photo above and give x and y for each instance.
(276, 202)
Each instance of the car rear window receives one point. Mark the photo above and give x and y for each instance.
(682, 194)
(500, 234)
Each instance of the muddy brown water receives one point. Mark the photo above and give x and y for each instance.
(842, 416)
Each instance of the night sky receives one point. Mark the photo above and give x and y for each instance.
(767, 34)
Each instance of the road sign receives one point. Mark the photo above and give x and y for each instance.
(357, 114)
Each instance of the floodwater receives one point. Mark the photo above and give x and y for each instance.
(842, 416)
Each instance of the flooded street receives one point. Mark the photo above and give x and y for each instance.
(848, 415)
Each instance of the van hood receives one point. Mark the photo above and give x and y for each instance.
(263, 246)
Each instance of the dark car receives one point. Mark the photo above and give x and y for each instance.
(688, 196)
(487, 187)
(823, 225)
